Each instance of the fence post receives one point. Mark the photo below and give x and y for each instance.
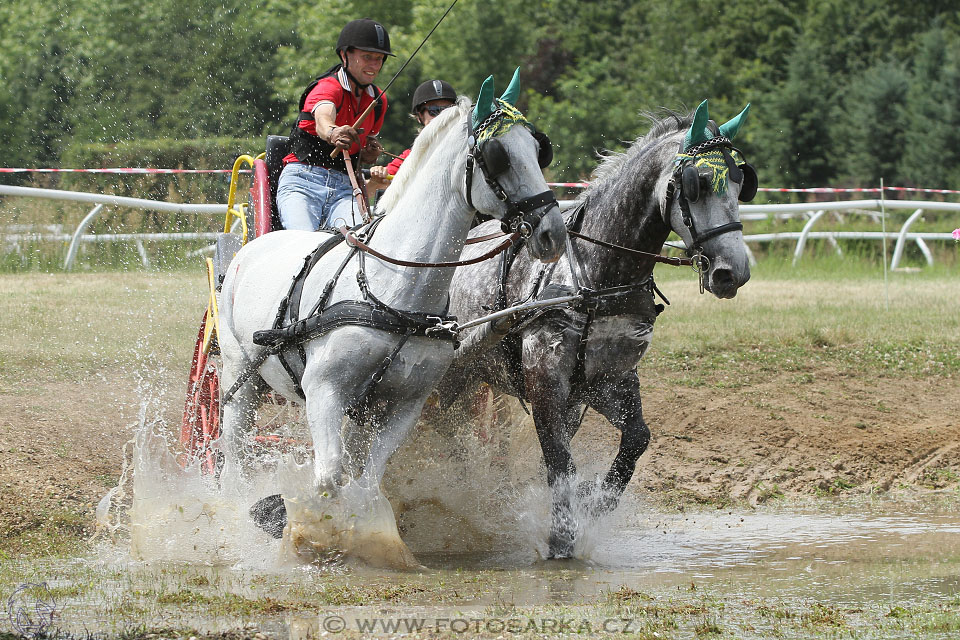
(902, 240)
(802, 240)
(75, 242)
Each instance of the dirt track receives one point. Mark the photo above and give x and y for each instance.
(833, 434)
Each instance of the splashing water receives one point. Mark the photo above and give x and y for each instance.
(472, 484)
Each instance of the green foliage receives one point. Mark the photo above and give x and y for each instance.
(843, 93)
(871, 123)
(794, 132)
(932, 144)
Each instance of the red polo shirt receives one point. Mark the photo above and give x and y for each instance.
(394, 164)
(337, 90)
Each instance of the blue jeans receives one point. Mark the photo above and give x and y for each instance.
(311, 198)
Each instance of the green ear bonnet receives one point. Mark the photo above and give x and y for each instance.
(696, 148)
(495, 116)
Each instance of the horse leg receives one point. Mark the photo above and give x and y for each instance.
(325, 419)
(394, 424)
(618, 400)
(239, 414)
(556, 423)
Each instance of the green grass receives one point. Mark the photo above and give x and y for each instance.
(803, 319)
(73, 326)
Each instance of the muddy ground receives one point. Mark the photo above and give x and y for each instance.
(780, 438)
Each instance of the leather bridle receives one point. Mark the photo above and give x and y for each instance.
(675, 189)
(522, 216)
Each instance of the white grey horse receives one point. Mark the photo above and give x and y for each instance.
(685, 176)
(428, 212)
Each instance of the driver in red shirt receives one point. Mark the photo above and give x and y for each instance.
(314, 191)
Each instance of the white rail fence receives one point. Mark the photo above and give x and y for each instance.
(813, 212)
(876, 209)
(100, 201)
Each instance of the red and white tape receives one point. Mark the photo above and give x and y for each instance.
(583, 185)
(573, 185)
(856, 190)
(115, 170)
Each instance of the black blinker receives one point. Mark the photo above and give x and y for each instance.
(690, 182)
(736, 174)
(748, 190)
(545, 154)
(495, 157)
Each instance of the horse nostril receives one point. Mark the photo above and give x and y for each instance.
(545, 240)
(722, 278)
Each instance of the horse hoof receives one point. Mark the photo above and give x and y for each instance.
(560, 547)
(270, 514)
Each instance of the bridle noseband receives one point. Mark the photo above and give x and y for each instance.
(522, 216)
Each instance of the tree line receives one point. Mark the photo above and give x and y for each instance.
(843, 92)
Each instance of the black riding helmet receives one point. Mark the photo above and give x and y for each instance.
(365, 34)
(433, 90)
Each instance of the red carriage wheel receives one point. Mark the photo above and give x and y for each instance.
(201, 411)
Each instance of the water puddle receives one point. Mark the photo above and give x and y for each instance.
(853, 555)
(190, 555)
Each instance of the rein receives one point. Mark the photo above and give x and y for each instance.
(359, 192)
(356, 242)
(656, 257)
(489, 236)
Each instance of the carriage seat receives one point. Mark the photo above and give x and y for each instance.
(277, 148)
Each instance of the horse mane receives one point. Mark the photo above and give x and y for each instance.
(422, 149)
(661, 126)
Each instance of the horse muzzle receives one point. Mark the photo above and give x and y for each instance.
(724, 280)
(548, 240)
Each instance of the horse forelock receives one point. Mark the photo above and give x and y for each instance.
(424, 148)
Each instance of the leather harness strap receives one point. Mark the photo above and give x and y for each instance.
(359, 189)
(353, 241)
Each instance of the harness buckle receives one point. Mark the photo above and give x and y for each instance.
(449, 327)
(588, 298)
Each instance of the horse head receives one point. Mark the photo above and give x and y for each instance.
(509, 160)
(709, 180)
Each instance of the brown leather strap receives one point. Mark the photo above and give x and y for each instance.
(353, 241)
(489, 236)
(359, 193)
(678, 262)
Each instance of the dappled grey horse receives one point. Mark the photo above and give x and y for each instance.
(684, 175)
